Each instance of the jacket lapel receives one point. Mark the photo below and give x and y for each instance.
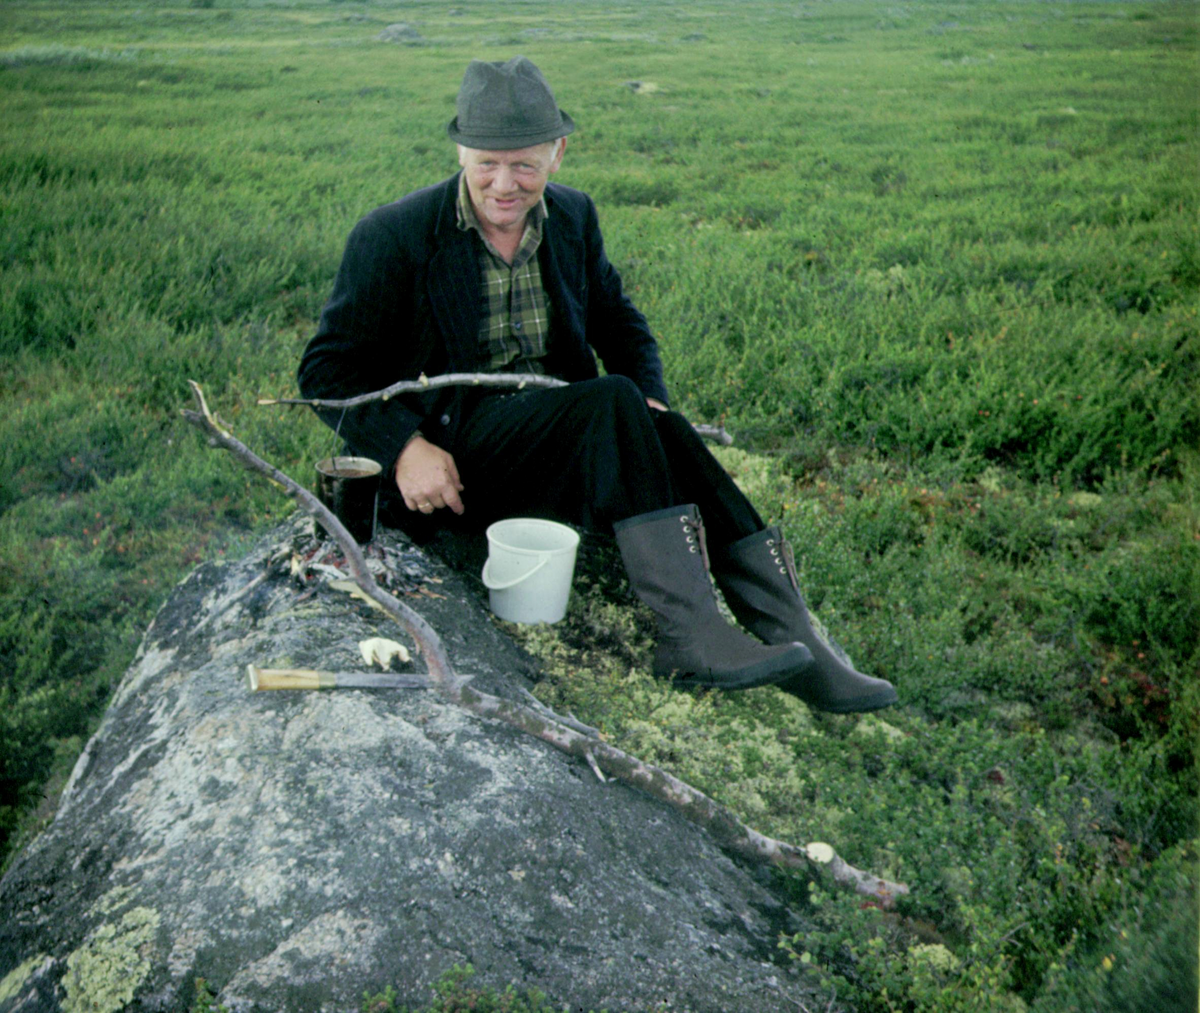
(453, 286)
(561, 260)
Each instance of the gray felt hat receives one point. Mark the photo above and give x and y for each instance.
(503, 106)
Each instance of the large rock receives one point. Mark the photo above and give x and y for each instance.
(298, 848)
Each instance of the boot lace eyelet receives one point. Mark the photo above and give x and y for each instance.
(691, 548)
(770, 541)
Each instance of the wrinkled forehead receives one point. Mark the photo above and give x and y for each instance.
(536, 154)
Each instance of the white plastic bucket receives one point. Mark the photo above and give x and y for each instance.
(529, 568)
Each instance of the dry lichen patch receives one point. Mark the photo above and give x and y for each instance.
(14, 981)
(103, 974)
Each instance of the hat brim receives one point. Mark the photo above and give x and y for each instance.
(511, 142)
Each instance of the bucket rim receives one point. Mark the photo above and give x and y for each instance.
(496, 539)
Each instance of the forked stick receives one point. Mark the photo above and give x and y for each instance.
(728, 831)
(430, 643)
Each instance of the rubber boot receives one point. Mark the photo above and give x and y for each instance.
(667, 563)
(757, 576)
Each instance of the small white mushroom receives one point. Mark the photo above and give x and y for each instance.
(380, 651)
(819, 852)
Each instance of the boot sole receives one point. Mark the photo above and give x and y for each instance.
(877, 701)
(764, 673)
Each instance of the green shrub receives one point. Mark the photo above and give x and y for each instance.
(454, 993)
(205, 1001)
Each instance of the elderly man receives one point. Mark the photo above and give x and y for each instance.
(496, 269)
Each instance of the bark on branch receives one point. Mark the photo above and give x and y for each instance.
(515, 381)
(562, 733)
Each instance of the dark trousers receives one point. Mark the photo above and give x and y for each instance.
(588, 454)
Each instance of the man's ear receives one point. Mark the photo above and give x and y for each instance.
(557, 160)
(462, 155)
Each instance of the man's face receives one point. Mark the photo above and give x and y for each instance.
(505, 185)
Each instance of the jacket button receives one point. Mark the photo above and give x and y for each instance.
(445, 419)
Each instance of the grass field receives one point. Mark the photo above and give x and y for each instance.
(936, 265)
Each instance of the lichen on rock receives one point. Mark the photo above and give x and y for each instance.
(12, 983)
(103, 975)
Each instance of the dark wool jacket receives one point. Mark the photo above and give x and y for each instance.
(407, 301)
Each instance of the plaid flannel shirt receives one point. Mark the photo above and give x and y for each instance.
(515, 322)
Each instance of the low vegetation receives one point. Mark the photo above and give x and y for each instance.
(935, 265)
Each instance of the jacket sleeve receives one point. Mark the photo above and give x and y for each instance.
(616, 328)
(363, 342)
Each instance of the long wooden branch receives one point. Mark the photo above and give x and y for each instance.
(723, 825)
(515, 381)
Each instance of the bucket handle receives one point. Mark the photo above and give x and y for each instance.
(493, 585)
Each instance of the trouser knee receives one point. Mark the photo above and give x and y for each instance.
(618, 394)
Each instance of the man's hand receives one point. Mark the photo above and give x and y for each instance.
(427, 478)
(655, 403)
